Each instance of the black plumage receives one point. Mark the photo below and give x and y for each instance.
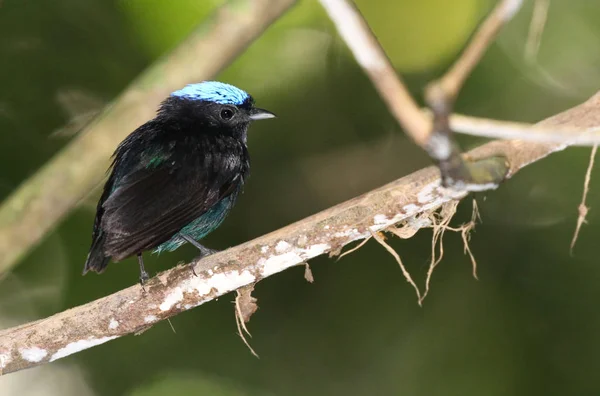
(175, 178)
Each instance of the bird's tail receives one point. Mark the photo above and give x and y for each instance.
(96, 260)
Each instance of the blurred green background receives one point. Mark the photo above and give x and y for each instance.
(529, 326)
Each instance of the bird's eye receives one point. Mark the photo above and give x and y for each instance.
(226, 114)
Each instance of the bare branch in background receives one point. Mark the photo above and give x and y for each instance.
(47, 197)
(536, 29)
(441, 95)
(497, 129)
(451, 83)
(371, 57)
(130, 311)
(434, 138)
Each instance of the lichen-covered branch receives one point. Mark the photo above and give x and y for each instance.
(176, 290)
(44, 199)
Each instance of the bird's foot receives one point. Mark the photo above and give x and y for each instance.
(204, 252)
(143, 274)
(143, 279)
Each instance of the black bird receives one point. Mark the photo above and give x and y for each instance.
(174, 179)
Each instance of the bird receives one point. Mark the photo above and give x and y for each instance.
(175, 178)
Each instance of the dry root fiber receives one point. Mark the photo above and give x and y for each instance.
(439, 221)
(245, 307)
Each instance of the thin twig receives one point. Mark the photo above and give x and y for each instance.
(583, 208)
(454, 79)
(562, 134)
(441, 95)
(46, 198)
(371, 57)
(176, 290)
(434, 138)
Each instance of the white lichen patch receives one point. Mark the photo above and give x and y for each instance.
(278, 262)
(383, 222)
(5, 359)
(326, 227)
(264, 249)
(79, 346)
(351, 233)
(172, 298)
(380, 219)
(150, 319)
(302, 241)
(113, 324)
(282, 247)
(221, 283)
(434, 194)
(479, 187)
(411, 209)
(427, 194)
(34, 354)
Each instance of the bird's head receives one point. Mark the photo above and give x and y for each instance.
(215, 105)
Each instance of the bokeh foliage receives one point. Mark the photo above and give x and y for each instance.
(528, 326)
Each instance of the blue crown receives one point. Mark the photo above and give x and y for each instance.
(213, 91)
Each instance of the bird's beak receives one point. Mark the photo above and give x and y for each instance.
(260, 114)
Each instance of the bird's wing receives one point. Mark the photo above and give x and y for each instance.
(152, 204)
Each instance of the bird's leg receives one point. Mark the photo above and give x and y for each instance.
(143, 274)
(204, 251)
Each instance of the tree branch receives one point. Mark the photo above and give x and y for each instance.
(451, 83)
(441, 95)
(372, 58)
(45, 198)
(497, 129)
(434, 137)
(176, 290)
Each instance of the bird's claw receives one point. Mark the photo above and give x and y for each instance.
(143, 279)
(207, 252)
